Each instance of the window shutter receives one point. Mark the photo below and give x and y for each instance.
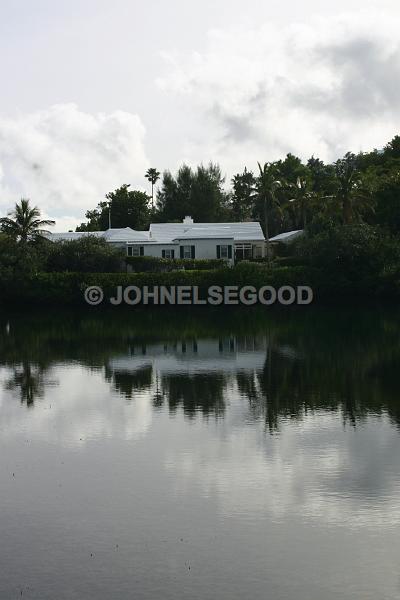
(141, 251)
(229, 251)
(172, 253)
(163, 253)
(193, 252)
(181, 251)
(218, 251)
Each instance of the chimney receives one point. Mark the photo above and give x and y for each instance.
(188, 221)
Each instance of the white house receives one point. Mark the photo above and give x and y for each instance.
(188, 239)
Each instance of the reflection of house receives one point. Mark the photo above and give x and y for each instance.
(226, 355)
(228, 241)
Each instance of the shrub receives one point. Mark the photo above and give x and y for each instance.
(356, 250)
(144, 264)
(19, 258)
(86, 255)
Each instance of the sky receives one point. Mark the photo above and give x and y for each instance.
(94, 92)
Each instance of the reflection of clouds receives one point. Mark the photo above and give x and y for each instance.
(312, 470)
(78, 410)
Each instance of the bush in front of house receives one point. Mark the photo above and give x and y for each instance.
(85, 255)
(153, 264)
(68, 288)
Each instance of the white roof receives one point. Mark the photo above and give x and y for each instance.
(167, 232)
(126, 235)
(111, 235)
(73, 235)
(288, 236)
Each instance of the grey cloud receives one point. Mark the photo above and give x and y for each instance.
(369, 79)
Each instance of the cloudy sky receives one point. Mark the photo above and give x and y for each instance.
(93, 92)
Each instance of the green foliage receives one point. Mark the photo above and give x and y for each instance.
(153, 176)
(360, 254)
(124, 208)
(24, 223)
(143, 264)
(86, 255)
(243, 195)
(21, 260)
(196, 193)
(387, 210)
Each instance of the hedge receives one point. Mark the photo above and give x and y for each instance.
(68, 288)
(144, 264)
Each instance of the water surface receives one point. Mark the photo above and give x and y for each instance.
(149, 455)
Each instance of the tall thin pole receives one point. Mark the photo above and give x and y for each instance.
(109, 215)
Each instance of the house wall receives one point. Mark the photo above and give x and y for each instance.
(204, 248)
(207, 248)
(118, 245)
(156, 249)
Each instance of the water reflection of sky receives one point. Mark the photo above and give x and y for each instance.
(317, 465)
(236, 451)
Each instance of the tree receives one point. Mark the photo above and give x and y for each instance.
(387, 212)
(322, 176)
(124, 208)
(350, 189)
(24, 223)
(243, 195)
(207, 194)
(303, 196)
(392, 149)
(153, 176)
(174, 198)
(267, 185)
(196, 193)
(291, 168)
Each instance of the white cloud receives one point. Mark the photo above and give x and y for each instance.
(66, 160)
(75, 409)
(314, 471)
(321, 87)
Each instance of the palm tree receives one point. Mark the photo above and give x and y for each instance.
(267, 185)
(24, 223)
(302, 199)
(153, 176)
(352, 191)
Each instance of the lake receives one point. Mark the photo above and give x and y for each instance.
(203, 454)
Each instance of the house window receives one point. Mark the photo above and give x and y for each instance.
(135, 250)
(243, 251)
(168, 253)
(224, 251)
(187, 252)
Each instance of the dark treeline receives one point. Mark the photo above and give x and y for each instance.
(283, 195)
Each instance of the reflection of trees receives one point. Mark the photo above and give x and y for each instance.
(30, 381)
(345, 360)
(324, 374)
(127, 383)
(194, 393)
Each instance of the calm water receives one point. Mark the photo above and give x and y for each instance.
(153, 455)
